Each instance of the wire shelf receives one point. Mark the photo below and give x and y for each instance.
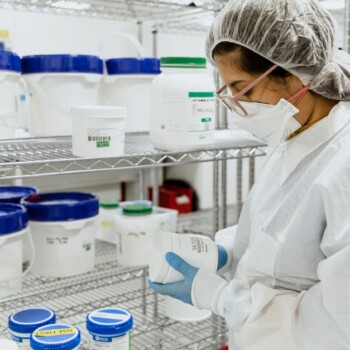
(51, 156)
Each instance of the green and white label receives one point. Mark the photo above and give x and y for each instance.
(203, 111)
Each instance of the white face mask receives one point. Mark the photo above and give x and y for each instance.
(272, 124)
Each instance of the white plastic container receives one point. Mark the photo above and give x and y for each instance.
(13, 229)
(108, 212)
(128, 84)
(182, 105)
(56, 337)
(136, 229)
(6, 344)
(23, 323)
(55, 83)
(109, 329)
(98, 131)
(10, 87)
(63, 227)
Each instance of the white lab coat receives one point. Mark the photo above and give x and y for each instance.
(290, 254)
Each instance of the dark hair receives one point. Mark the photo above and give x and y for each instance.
(249, 61)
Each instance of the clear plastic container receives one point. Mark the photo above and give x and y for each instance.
(109, 329)
(108, 212)
(182, 105)
(55, 337)
(23, 323)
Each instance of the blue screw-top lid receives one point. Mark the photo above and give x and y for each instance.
(14, 194)
(109, 322)
(13, 218)
(27, 321)
(55, 336)
(10, 61)
(61, 206)
(61, 64)
(133, 65)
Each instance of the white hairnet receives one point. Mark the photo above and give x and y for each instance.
(297, 35)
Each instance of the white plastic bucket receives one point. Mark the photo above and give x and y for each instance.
(98, 131)
(63, 227)
(13, 229)
(55, 83)
(10, 88)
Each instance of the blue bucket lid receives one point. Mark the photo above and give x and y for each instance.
(10, 61)
(14, 194)
(109, 321)
(61, 64)
(61, 206)
(27, 321)
(13, 218)
(133, 65)
(55, 336)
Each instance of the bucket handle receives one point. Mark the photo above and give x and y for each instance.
(132, 40)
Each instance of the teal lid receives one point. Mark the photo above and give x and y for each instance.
(183, 62)
(109, 204)
(137, 210)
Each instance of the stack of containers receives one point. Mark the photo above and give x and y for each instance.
(55, 83)
(10, 74)
(63, 226)
(183, 105)
(128, 84)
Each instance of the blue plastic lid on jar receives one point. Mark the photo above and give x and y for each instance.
(55, 336)
(61, 64)
(14, 194)
(13, 218)
(61, 206)
(109, 322)
(9, 61)
(27, 321)
(133, 65)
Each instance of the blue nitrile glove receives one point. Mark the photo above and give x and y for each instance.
(179, 290)
(222, 256)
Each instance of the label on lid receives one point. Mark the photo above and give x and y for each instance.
(55, 332)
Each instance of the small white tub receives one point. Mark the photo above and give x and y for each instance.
(55, 83)
(23, 323)
(128, 84)
(63, 226)
(13, 228)
(109, 329)
(56, 337)
(98, 131)
(10, 88)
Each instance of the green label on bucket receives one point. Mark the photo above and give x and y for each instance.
(206, 120)
(100, 144)
(200, 94)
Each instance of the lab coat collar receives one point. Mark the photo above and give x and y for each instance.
(299, 147)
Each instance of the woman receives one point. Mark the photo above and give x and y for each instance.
(290, 252)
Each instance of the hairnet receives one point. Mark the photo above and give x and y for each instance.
(297, 35)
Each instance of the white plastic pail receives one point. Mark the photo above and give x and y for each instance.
(98, 131)
(63, 227)
(55, 83)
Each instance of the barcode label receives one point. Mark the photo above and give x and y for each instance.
(99, 138)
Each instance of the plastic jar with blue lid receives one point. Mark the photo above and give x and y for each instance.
(23, 323)
(56, 337)
(110, 329)
(14, 194)
(63, 226)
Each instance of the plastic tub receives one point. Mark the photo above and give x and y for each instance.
(23, 323)
(63, 227)
(98, 131)
(14, 194)
(6, 344)
(10, 89)
(55, 83)
(128, 84)
(136, 229)
(56, 337)
(108, 212)
(13, 228)
(183, 105)
(109, 329)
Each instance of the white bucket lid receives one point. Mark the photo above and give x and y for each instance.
(98, 111)
(159, 267)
